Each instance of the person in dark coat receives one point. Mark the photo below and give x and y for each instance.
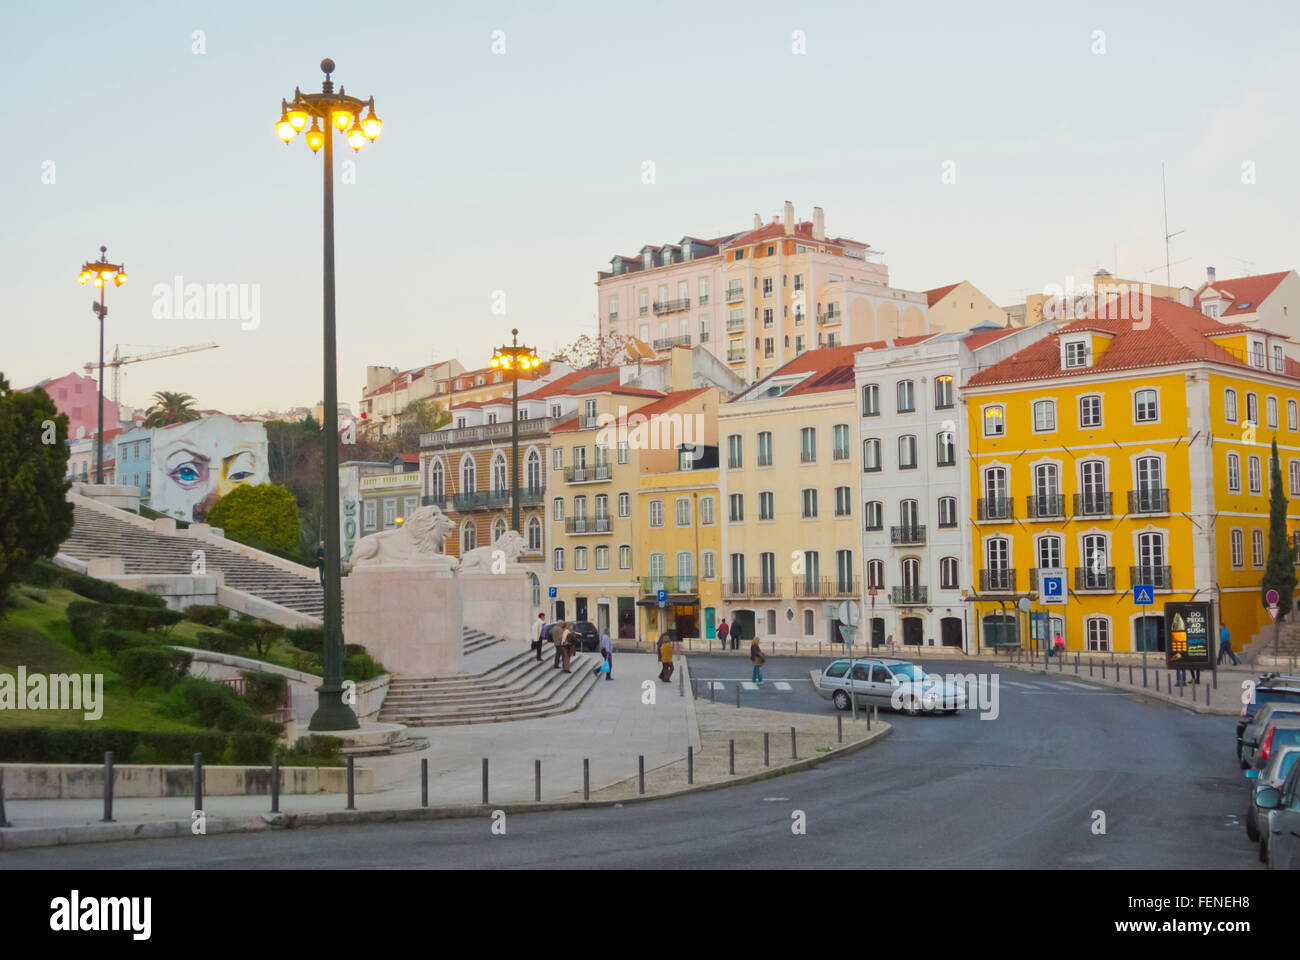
(557, 638)
(320, 561)
(737, 634)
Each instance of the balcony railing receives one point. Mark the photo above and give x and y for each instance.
(434, 500)
(734, 356)
(998, 580)
(580, 525)
(995, 508)
(1095, 503)
(704, 300)
(848, 587)
(1045, 506)
(592, 474)
(671, 306)
(735, 294)
(704, 336)
(1094, 578)
(767, 587)
(489, 431)
(481, 500)
(735, 323)
(588, 421)
(667, 343)
(676, 586)
(912, 594)
(613, 315)
(907, 535)
(737, 588)
(828, 319)
(1148, 500)
(1157, 577)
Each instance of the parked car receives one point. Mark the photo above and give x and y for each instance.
(1283, 805)
(1273, 774)
(1269, 688)
(585, 635)
(879, 682)
(1261, 733)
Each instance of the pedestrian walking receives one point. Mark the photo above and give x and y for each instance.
(722, 633)
(567, 645)
(1225, 645)
(737, 632)
(557, 641)
(606, 651)
(756, 657)
(541, 635)
(320, 561)
(1059, 645)
(666, 658)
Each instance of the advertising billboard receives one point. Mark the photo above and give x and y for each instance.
(1187, 627)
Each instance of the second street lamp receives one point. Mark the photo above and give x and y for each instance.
(514, 358)
(327, 112)
(101, 272)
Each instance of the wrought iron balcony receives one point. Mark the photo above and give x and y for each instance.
(847, 587)
(995, 508)
(613, 315)
(735, 356)
(907, 535)
(998, 580)
(667, 343)
(1094, 578)
(735, 324)
(735, 294)
(481, 500)
(767, 587)
(434, 500)
(907, 595)
(587, 474)
(672, 306)
(580, 525)
(1045, 506)
(1148, 500)
(1157, 577)
(1095, 503)
(828, 319)
(737, 588)
(675, 586)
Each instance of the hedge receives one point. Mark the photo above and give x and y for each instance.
(154, 667)
(60, 745)
(222, 642)
(85, 618)
(106, 592)
(311, 639)
(208, 616)
(115, 640)
(264, 691)
(217, 705)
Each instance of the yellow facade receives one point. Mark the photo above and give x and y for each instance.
(678, 544)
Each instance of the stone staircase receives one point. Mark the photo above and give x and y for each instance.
(476, 640)
(97, 534)
(520, 688)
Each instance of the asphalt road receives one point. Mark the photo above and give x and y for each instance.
(1020, 791)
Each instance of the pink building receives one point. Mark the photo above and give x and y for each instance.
(78, 397)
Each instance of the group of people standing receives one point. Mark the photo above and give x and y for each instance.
(561, 635)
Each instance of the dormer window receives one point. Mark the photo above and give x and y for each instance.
(649, 259)
(1257, 353)
(1076, 354)
(1211, 309)
(555, 410)
(686, 251)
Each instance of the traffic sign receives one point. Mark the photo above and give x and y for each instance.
(1272, 610)
(1271, 598)
(1144, 593)
(550, 592)
(662, 596)
(1051, 585)
(848, 613)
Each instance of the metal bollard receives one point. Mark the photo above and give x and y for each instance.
(198, 781)
(586, 778)
(796, 648)
(485, 780)
(681, 684)
(731, 756)
(737, 693)
(713, 692)
(690, 764)
(424, 782)
(839, 728)
(794, 753)
(1207, 694)
(3, 821)
(352, 783)
(537, 780)
(275, 783)
(1090, 666)
(640, 772)
(767, 762)
(108, 786)
(1130, 674)
(1076, 664)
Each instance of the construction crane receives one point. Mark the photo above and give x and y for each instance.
(118, 360)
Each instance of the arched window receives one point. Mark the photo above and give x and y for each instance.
(876, 574)
(534, 470)
(468, 475)
(498, 529)
(499, 482)
(437, 482)
(534, 534)
(468, 537)
(949, 573)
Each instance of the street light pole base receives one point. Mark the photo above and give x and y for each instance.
(332, 713)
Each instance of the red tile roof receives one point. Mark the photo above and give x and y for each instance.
(938, 293)
(776, 231)
(1245, 293)
(979, 338)
(1175, 334)
(674, 399)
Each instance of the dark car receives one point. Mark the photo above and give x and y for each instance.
(585, 635)
(1270, 688)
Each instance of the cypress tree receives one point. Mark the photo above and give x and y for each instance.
(1279, 575)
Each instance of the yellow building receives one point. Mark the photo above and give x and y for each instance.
(1121, 449)
(677, 547)
(790, 468)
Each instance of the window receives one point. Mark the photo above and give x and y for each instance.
(557, 458)
(1270, 411)
(558, 562)
(766, 505)
(844, 572)
(657, 565)
(498, 529)
(1151, 559)
(602, 558)
(390, 512)
(949, 573)
(1279, 361)
(942, 392)
(1257, 353)
(579, 558)
(1292, 416)
(1149, 490)
(1234, 473)
(1044, 416)
(808, 445)
(1144, 406)
(1097, 630)
(1293, 469)
(736, 505)
(947, 511)
(1238, 549)
(870, 455)
(946, 449)
(709, 565)
(811, 572)
(602, 506)
(1049, 552)
(683, 510)
(769, 346)
(656, 513)
(906, 396)
(1096, 573)
(767, 572)
(1095, 498)
(767, 284)
(998, 552)
(370, 514)
(1076, 353)
(737, 571)
(707, 517)
(1252, 474)
(995, 424)
(735, 452)
(809, 503)
(874, 512)
(469, 538)
(876, 574)
(534, 533)
(765, 449)
(624, 505)
(625, 557)
(623, 454)
(1090, 411)
(1230, 405)
(840, 447)
(808, 625)
(871, 399)
(843, 503)
(907, 452)
(1252, 408)
(580, 508)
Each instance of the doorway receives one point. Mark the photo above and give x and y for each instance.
(743, 620)
(1149, 634)
(559, 610)
(877, 631)
(710, 623)
(913, 631)
(626, 618)
(602, 617)
(950, 633)
(579, 608)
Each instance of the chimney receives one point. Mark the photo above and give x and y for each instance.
(789, 218)
(758, 222)
(819, 224)
(1209, 274)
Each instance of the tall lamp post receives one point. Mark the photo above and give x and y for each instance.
(101, 272)
(328, 111)
(515, 358)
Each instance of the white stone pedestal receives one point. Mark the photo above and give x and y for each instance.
(500, 604)
(408, 617)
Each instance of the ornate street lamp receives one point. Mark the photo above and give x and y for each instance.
(516, 359)
(328, 111)
(100, 272)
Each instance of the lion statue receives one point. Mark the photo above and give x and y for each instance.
(511, 545)
(418, 540)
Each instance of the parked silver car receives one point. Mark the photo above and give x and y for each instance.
(880, 682)
(1252, 737)
(1283, 806)
(1273, 774)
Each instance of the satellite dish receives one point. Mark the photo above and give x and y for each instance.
(848, 613)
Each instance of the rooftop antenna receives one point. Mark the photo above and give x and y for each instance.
(1164, 197)
(1247, 265)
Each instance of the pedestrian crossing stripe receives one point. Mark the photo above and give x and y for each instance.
(1027, 686)
(782, 685)
(1081, 686)
(749, 686)
(717, 685)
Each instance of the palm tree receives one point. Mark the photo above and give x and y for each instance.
(169, 408)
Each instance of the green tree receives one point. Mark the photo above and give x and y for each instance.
(169, 408)
(418, 417)
(35, 515)
(1279, 574)
(263, 515)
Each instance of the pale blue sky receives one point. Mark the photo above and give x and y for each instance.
(522, 172)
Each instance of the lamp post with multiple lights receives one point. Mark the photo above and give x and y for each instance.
(514, 358)
(100, 272)
(328, 111)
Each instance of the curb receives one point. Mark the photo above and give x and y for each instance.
(1183, 702)
(30, 837)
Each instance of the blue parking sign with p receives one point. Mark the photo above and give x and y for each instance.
(1052, 587)
(550, 592)
(663, 596)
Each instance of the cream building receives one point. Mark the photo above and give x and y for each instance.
(961, 306)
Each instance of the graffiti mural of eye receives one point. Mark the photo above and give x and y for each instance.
(188, 474)
(240, 476)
